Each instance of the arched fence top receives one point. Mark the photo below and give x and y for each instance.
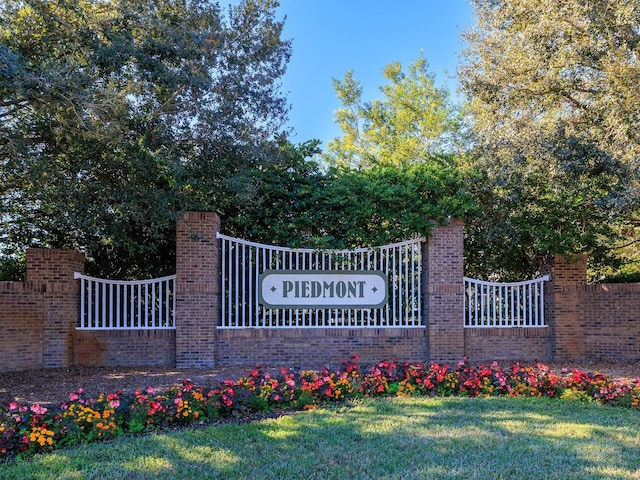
(320, 250)
(544, 278)
(124, 282)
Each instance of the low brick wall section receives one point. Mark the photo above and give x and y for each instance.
(528, 344)
(314, 348)
(21, 317)
(130, 348)
(610, 321)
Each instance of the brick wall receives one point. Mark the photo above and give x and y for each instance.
(610, 321)
(593, 322)
(132, 348)
(444, 292)
(488, 344)
(197, 289)
(315, 348)
(54, 270)
(21, 317)
(39, 318)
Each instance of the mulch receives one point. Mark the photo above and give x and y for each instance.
(53, 386)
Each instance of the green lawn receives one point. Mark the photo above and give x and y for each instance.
(408, 438)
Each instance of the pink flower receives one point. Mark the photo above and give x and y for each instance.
(151, 390)
(155, 407)
(73, 397)
(38, 410)
(114, 403)
(13, 406)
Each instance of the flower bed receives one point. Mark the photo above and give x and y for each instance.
(27, 429)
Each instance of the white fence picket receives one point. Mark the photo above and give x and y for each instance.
(127, 305)
(504, 305)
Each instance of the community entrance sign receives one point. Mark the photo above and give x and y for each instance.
(323, 289)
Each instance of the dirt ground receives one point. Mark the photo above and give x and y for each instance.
(53, 386)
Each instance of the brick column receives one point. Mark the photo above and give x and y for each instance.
(197, 289)
(53, 269)
(567, 277)
(444, 288)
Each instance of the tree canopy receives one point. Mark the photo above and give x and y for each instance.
(393, 174)
(296, 203)
(414, 120)
(116, 115)
(553, 108)
(533, 66)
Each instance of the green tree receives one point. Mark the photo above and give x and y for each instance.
(387, 203)
(532, 65)
(277, 203)
(415, 119)
(562, 199)
(553, 102)
(116, 115)
(293, 202)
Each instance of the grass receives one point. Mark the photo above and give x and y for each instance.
(407, 438)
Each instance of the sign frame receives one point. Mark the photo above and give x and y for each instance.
(310, 287)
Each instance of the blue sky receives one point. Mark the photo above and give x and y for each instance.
(333, 36)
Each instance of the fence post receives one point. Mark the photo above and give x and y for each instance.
(197, 289)
(444, 288)
(53, 269)
(566, 276)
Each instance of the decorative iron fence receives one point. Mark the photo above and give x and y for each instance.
(150, 304)
(506, 305)
(244, 262)
(127, 305)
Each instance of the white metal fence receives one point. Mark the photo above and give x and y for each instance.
(244, 261)
(126, 305)
(516, 304)
(150, 304)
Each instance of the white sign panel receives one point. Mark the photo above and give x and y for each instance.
(323, 289)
